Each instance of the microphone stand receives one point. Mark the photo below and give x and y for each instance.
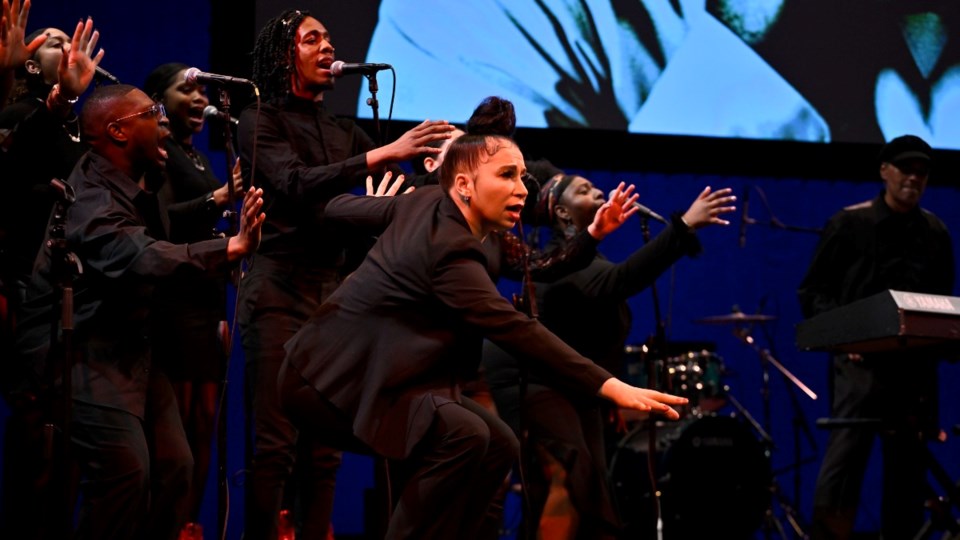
(233, 218)
(374, 104)
(64, 266)
(525, 302)
(774, 222)
(658, 350)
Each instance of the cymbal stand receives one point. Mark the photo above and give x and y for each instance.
(766, 360)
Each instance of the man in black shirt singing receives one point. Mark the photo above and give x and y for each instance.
(125, 431)
(304, 156)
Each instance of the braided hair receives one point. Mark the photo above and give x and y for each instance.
(274, 54)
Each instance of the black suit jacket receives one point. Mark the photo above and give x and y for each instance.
(395, 340)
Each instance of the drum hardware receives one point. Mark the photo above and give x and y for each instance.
(767, 358)
(736, 317)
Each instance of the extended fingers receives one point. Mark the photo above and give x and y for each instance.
(395, 186)
(7, 16)
(24, 13)
(252, 203)
(384, 184)
(92, 44)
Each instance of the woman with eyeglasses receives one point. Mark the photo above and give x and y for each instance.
(190, 315)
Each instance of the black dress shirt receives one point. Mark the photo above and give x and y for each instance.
(868, 248)
(118, 232)
(304, 157)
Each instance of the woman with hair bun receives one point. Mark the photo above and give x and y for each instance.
(379, 366)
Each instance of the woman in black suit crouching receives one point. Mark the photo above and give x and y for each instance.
(379, 365)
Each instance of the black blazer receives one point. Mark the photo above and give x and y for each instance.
(395, 340)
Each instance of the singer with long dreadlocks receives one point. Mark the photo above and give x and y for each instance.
(304, 157)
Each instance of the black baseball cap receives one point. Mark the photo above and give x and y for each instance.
(905, 147)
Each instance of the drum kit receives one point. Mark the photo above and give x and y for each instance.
(709, 474)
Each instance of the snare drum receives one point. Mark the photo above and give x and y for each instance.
(713, 475)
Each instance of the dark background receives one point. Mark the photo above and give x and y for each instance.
(803, 183)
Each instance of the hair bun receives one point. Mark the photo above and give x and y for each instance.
(494, 116)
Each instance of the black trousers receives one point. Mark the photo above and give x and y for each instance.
(452, 476)
(135, 474)
(276, 299)
(902, 393)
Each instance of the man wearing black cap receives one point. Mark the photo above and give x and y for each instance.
(886, 243)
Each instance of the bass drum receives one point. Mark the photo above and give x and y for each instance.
(713, 475)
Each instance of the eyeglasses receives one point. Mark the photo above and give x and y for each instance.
(157, 110)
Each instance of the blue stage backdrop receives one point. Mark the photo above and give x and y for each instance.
(763, 275)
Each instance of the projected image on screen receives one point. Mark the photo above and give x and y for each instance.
(807, 70)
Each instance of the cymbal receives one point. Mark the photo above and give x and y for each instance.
(735, 318)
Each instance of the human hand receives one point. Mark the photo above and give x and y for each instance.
(412, 143)
(385, 188)
(614, 212)
(641, 399)
(13, 23)
(77, 64)
(251, 221)
(707, 208)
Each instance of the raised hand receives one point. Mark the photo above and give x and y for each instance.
(412, 143)
(614, 212)
(13, 23)
(385, 188)
(78, 65)
(251, 221)
(708, 206)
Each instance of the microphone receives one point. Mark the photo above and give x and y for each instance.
(194, 75)
(212, 112)
(341, 68)
(105, 75)
(644, 211)
(744, 220)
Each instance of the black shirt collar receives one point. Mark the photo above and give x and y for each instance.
(885, 212)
